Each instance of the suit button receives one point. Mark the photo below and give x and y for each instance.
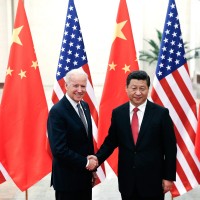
(134, 167)
(135, 152)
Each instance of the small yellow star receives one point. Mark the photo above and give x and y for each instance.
(112, 66)
(9, 71)
(34, 64)
(118, 30)
(22, 74)
(126, 68)
(15, 36)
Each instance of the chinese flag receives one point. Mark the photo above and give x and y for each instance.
(121, 62)
(197, 139)
(23, 111)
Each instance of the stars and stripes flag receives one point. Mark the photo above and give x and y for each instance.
(172, 88)
(122, 61)
(73, 55)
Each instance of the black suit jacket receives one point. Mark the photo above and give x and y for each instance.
(142, 166)
(70, 144)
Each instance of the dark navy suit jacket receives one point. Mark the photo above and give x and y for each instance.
(70, 145)
(142, 166)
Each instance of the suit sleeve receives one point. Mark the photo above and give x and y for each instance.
(170, 148)
(110, 142)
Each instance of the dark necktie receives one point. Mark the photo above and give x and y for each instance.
(135, 125)
(80, 111)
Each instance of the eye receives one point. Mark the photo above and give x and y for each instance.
(133, 88)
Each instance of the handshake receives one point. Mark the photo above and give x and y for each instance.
(93, 163)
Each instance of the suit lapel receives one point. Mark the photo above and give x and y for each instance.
(74, 115)
(125, 120)
(146, 120)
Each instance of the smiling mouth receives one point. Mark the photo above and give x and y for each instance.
(137, 98)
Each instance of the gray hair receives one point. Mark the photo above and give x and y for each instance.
(72, 72)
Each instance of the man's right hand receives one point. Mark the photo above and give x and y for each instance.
(93, 162)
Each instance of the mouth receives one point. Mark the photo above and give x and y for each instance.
(137, 98)
(79, 95)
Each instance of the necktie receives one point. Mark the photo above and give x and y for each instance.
(80, 111)
(135, 124)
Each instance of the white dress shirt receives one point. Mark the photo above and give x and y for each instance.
(140, 112)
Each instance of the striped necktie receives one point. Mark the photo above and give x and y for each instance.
(81, 115)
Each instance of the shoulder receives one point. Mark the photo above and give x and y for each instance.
(156, 106)
(60, 104)
(121, 107)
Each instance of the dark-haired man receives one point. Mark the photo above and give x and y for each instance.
(143, 131)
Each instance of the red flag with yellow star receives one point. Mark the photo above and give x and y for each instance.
(121, 62)
(23, 111)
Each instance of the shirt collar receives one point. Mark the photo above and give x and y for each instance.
(141, 107)
(74, 103)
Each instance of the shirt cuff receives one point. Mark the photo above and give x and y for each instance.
(87, 163)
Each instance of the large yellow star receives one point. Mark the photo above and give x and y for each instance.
(112, 66)
(126, 68)
(22, 74)
(118, 30)
(34, 64)
(15, 36)
(9, 71)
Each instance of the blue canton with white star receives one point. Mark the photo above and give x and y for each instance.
(72, 54)
(172, 53)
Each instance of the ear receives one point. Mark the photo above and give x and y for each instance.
(126, 89)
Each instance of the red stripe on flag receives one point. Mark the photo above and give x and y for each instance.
(155, 97)
(187, 155)
(185, 91)
(179, 109)
(183, 176)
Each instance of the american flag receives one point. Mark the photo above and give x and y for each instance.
(72, 56)
(172, 88)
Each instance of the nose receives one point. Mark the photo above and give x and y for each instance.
(81, 88)
(138, 92)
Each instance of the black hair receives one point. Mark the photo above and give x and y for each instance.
(139, 75)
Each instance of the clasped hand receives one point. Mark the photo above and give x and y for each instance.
(93, 162)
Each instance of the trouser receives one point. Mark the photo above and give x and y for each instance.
(136, 197)
(86, 195)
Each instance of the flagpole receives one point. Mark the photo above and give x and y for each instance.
(26, 193)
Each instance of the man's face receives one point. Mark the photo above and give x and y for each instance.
(137, 91)
(77, 87)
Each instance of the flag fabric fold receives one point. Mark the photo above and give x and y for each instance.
(172, 88)
(23, 111)
(122, 61)
(2, 179)
(72, 56)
